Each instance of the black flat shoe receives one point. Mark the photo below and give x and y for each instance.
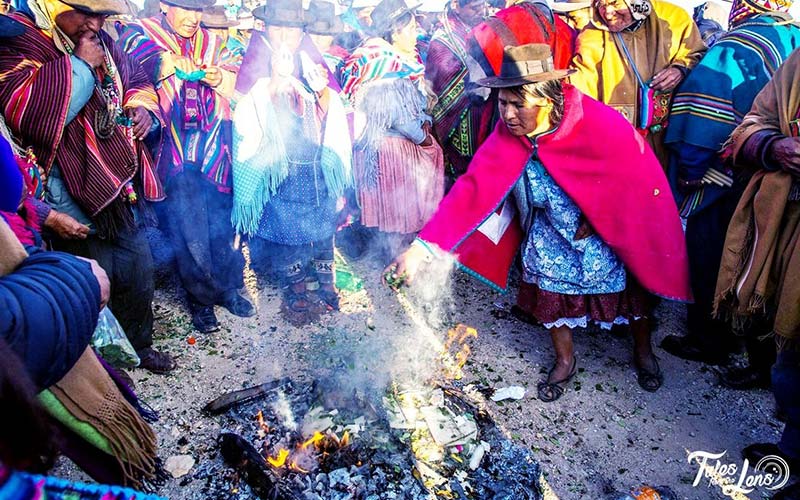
(204, 319)
(756, 451)
(684, 348)
(155, 361)
(237, 305)
(744, 379)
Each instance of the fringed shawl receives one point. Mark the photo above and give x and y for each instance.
(89, 394)
(261, 145)
(760, 269)
(35, 85)
(384, 103)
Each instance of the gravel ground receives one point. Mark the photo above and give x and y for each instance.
(605, 434)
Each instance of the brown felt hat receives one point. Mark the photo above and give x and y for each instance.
(215, 18)
(100, 7)
(524, 64)
(287, 13)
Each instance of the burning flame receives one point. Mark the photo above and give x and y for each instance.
(261, 423)
(457, 339)
(321, 443)
(280, 460)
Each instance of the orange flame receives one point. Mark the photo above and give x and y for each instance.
(261, 422)
(316, 438)
(280, 460)
(457, 339)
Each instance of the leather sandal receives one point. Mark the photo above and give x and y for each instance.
(551, 391)
(648, 380)
(296, 307)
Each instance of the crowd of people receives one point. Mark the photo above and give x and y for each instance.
(617, 152)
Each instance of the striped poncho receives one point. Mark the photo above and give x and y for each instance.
(717, 94)
(198, 115)
(35, 86)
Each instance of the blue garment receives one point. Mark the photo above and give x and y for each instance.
(82, 87)
(24, 486)
(551, 258)
(48, 312)
(11, 184)
(716, 95)
(57, 195)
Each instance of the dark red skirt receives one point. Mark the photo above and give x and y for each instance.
(550, 307)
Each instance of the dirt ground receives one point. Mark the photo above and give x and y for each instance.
(605, 434)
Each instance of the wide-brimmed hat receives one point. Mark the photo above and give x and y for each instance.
(100, 7)
(564, 6)
(524, 64)
(388, 11)
(10, 27)
(190, 4)
(322, 19)
(287, 13)
(246, 19)
(214, 17)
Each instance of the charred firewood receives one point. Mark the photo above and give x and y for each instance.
(234, 398)
(241, 455)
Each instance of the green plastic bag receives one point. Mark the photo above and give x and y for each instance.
(345, 279)
(110, 341)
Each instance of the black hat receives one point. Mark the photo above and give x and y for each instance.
(387, 12)
(190, 4)
(10, 27)
(287, 13)
(100, 7)
(322, 19)
(524, 64)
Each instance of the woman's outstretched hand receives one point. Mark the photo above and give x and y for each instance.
(405, 266)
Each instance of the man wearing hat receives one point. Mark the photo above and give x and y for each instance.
(292, 159)
(84, 107)
(456, 118)
(217, 22)
(195, 76)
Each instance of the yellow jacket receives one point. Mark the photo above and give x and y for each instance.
(668, 37)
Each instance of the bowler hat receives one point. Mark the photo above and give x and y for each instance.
(322, 19)
(10, 27)
(388, 11)
(524, 64)
(100, 7)
(190, 4)
(215, 18)
(287, 13)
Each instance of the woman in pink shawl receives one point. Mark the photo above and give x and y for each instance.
(589, 207)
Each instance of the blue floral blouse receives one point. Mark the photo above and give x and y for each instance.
(551, 258)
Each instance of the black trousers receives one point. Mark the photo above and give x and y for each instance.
(785, 380)
(198, 217)
(705, 239)
(129, 264)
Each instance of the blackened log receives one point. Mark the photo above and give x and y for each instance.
(234, 398)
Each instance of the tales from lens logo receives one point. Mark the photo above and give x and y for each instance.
(771, 473)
